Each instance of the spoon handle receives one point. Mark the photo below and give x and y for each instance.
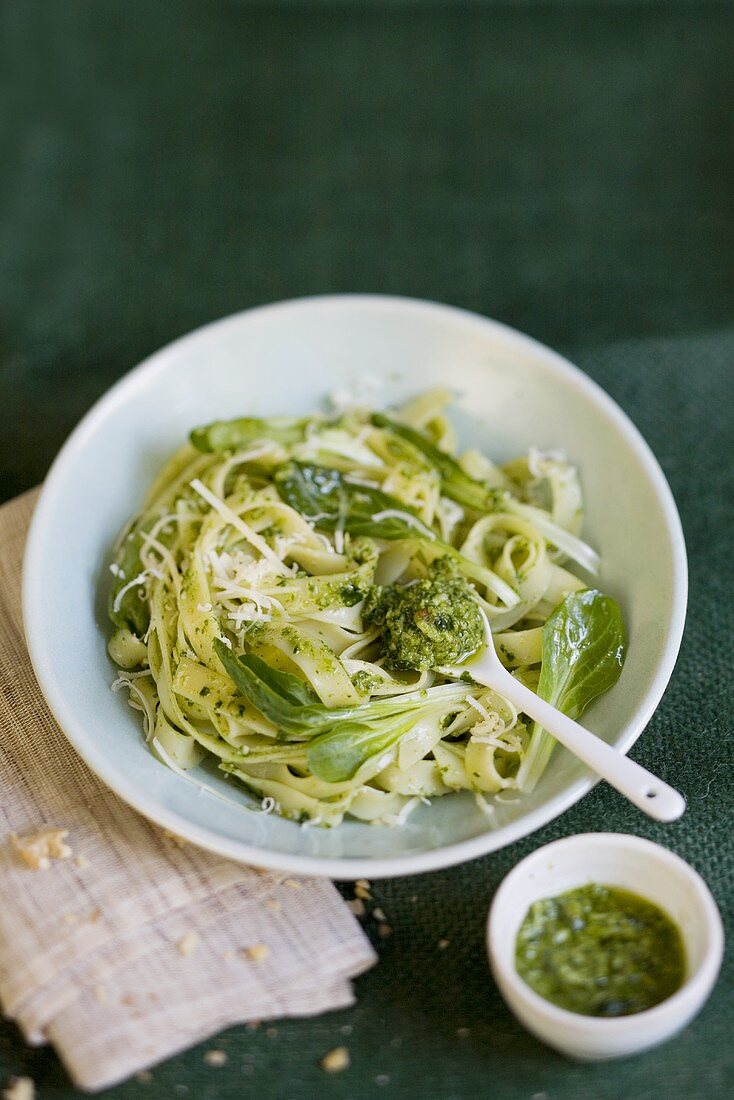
(640, 786)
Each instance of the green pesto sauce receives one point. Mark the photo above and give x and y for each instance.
(427, 623)
(600, 951)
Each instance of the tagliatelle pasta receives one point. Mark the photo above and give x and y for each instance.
(294, 592)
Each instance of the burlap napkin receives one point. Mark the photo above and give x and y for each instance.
(131, 945)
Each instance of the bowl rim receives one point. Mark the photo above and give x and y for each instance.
(335, 867)
(670, 1012)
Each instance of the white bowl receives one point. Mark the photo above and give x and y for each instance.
(612, 859)
(512, 393)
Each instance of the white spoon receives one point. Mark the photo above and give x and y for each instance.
(640, 786)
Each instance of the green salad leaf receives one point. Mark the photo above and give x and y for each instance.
(292, 705)
(338, 755)
(455, 483)
(126, 608)
(286, 700)
(584, 647)
(292, 689)
(233, 435)
(325, 497)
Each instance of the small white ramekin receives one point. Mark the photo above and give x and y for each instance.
(613, 859)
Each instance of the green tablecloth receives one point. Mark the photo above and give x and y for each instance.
(565, 167)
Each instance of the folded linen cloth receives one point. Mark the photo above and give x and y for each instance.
(119, 943)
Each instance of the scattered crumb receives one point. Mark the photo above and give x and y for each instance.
(335, 1060)
(346, 1029)
(144, 1076)
(174, 838)
(463, 1032)
(357, 907)
(364, 883)
(292, 883)
(414, 899)
(127, 999)
(99, 993)
(188, 944)
(253, 1025)
(75, 918)
(38, 849)
(443, 944)
(81, 862)
(382, 1079)
(362, 893)
(379, 914)
(384, 930)
(20, 1088)
(257, 953)
(271, 1032)
(273, 903)
(215, 1057)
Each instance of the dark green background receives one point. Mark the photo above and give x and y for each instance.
(564, 167)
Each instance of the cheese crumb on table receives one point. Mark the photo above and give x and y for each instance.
(38, 849)
(357, 907)
(215, 1057)
(188, 943)
(336, 1060)
(257, 952)
(20, 1088)
(443, 944)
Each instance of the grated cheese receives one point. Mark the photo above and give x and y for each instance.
(412, 521)
(239, 524)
